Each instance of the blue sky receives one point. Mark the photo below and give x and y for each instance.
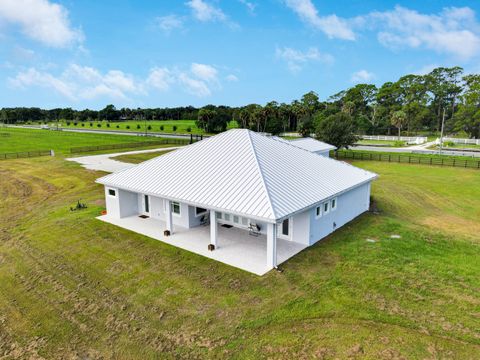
(194, 52)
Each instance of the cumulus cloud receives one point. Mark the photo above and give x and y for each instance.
(81, 82)
(78, 82)
(169, 23)
(41, 20)
(332, 25)
(362, 76)
(296, 59)
(453, 31)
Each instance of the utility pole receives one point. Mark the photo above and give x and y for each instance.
(441, 132)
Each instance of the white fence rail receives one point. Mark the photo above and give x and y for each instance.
(460, 141)
(409, 139)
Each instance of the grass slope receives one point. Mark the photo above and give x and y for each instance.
(61, 141)
(72, 286)
(138, 158)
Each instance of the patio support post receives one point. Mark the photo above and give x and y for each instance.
(213, 228)
(272, 245)
(169, 222)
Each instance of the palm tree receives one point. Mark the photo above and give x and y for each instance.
(399, 119)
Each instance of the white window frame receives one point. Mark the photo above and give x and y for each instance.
(114, 191)
(328, 207)
(179, 208)
(334, 200)
(318, 212)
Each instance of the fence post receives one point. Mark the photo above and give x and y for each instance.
(454, 162)
(389, 159)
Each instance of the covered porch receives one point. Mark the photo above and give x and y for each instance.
(233, 246)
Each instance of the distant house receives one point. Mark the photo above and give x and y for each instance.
(254, 200)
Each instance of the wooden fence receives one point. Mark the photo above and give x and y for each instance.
(26, 154)
(409, 159)
(172, 141)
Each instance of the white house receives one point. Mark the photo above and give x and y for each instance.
(254, 199)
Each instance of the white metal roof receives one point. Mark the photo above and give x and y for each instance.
(312, 145)
(244, 173)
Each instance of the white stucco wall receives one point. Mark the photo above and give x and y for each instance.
(349, 205)
(325, 153)
(123, 204)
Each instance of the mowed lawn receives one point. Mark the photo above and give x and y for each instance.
(74, 287)
(138, 158)
(19, 140)
(182, 126)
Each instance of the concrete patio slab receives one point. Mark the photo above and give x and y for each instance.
(235, 247)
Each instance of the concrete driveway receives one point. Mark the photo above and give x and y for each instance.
(104, 162)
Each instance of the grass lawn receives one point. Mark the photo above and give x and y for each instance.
(380, 142)
(133, 125)
(72, 286)
(138, 158)
(61, 141)
(458, 146)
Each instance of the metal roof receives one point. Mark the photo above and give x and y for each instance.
(311, 144)
(244, 173)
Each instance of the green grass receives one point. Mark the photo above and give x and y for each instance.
(60, 141)
(72, 286)
(381, 142)
(138, 158)
(139, 126)
(458, 146)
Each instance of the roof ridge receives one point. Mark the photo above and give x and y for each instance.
(261, 174)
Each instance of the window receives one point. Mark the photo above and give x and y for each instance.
(318, 211)
(326, 208)
(200, 211)
(333, 206)
(235, 219)
(244, 221)
(226, 217)
(285, 227)
(175, 207)
(218, 215)
(111, 192)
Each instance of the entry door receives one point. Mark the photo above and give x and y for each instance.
(145, 204)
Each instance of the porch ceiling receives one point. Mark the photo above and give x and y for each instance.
(235, 247)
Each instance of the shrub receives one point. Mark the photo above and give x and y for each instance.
(99, 125)
(138, 126)
(174, 128)
(149, 127)
(161, 128)
(448, 143)
(91, 124)
(68, 123)
(189, 129)
(83, 124)
(108, 124)
(128, 126)
(118, 126)
(75, 123)
(399, 143)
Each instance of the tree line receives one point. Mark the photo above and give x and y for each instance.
(411, 104)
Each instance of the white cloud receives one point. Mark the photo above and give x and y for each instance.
(362, 76)
(78, 82)
(231, 78)
(331, 25)
(81, 82)
(160, 78)
(453, 31)
(250, 6)
(425, 69)
(194, 86)
(204, 11)
(204, 72)
(169, 23)
(42, 21)
(296, 59)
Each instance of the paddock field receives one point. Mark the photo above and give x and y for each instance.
(74, 287)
